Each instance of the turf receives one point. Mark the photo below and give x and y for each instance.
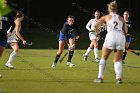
(33, 74)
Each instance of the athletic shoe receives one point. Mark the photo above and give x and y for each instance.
(9, 66)
(97, 60)
(85, 57)
(54, 64)
(98, 80)
(118, 81)
(70, 64)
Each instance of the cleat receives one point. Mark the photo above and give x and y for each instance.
(98, 80)
(9, 66)
(85, 57)
(97, 60)
(68, 63)
(118, 81)
(54, 64)
(71, 65)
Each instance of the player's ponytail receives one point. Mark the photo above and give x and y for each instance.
(112, 6)
(19, 14)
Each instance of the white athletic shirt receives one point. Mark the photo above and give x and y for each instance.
(115, 38)
(90, 24)
(115, 25)
(13, 34)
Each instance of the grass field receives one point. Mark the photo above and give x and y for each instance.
(33, 74)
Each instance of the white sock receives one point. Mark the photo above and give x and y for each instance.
(11, 58)
(118, 69)
(102, 65)
(88, 51)
(96, 52)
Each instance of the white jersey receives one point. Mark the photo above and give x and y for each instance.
(115, 38)
(12, 37)
(91, 23)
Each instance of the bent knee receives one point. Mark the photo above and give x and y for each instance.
(60, 52)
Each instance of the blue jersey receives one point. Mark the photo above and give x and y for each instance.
(131, 28)
(68, 29)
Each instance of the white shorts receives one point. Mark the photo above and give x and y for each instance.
(12, 39)
(116, 41)
(92, 35)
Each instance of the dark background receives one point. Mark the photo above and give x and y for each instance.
(44, 17)
(54, 12)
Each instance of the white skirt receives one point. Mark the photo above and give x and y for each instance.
(92, 35)
(115, 41)
(12, 39)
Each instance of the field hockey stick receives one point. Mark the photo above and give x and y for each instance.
(63, 57)
(134, 52)
(29, 43)
(66, 53)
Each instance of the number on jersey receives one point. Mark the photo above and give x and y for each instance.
(115, 24)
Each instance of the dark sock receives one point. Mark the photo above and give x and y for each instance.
(124, 55)
(70, 55)
(56, 58)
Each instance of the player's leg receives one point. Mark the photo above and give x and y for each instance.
(102, 64)
(92, 36)
(95, 43)
(71, 51)
(128, 40)
(59, 52)
(3, 44)
(118, 65)
(90, 48)
(1, 50)
(12, 56)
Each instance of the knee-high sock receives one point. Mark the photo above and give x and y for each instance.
(11, 57)
(102, 65)
(118, 69)
(124, 55)
(56, 58)
(70, 56)
(96, 52)
(88, 51)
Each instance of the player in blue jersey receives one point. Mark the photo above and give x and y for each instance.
(131, 28)
(5, 23)
(68, 34)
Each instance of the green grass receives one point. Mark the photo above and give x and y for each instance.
(33, 74)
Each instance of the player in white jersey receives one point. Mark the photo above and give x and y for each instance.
(13, 38)
(93, 37)
(114, 41)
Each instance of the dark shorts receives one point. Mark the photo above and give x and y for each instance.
(63, 37)
(129, 39)
(3, 43)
